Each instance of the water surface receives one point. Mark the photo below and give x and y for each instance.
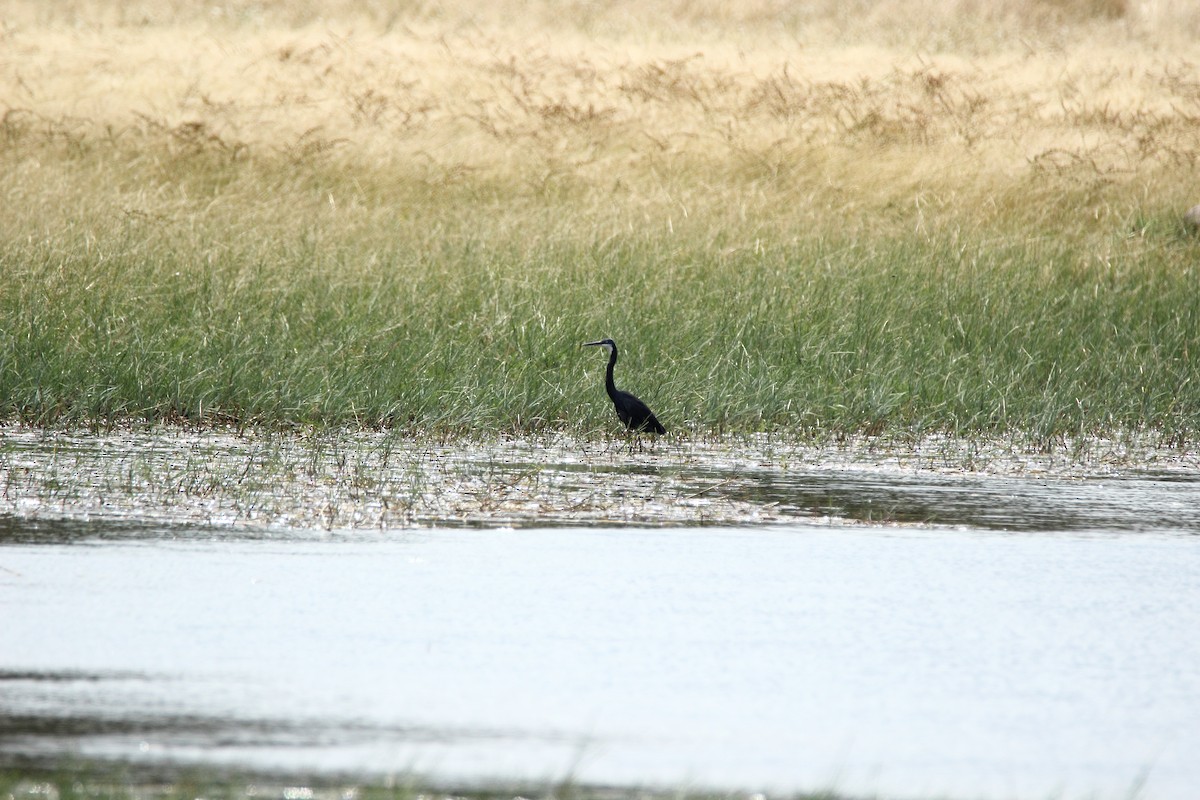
(884, 628)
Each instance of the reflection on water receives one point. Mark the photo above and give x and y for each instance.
(134, 715)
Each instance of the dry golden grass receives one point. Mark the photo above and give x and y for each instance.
(806, 116)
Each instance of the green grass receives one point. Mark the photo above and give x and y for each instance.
(470, 328)
(913, 252)
(480, 332)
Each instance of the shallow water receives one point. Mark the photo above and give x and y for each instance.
(899, 626)
(267, 485)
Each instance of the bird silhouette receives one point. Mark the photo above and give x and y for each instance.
(634, 414)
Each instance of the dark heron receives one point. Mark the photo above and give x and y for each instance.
(635, 414)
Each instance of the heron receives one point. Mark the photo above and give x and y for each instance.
(635, 414)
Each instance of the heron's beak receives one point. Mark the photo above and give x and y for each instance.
(591, 344)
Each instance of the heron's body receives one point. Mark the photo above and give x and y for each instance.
(633, 413)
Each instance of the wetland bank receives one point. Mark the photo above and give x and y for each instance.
(415, 226)
(305, 469)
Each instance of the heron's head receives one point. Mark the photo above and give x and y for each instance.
(608, 344)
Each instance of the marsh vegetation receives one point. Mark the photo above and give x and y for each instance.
(829, 220)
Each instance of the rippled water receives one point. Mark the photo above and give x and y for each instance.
(752, 617)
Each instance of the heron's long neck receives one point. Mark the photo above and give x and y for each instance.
(609, 385)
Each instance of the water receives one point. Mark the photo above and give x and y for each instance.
(894, 630)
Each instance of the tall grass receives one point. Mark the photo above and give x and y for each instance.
(417, 228)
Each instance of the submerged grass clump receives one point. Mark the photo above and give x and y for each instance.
(415, 222)
(98, 781)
